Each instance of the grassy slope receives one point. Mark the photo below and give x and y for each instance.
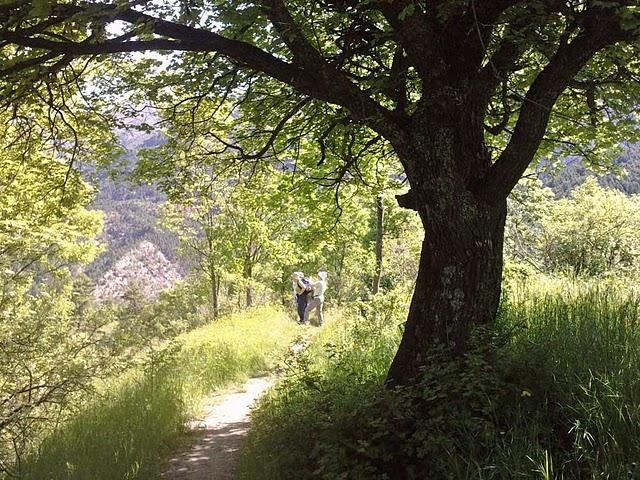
(311, 406)
(556, 396)
(140, 418)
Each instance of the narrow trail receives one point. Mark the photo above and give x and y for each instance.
(216, 438)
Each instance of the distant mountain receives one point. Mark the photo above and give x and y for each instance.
(127, 223)
(131, 211)
(144, 267)
(115, 183)
(574, 172)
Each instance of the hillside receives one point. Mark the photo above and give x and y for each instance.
(144, 267)
(131, 211)
(574, 172)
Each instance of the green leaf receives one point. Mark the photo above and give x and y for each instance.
(40, 9)
(630, 19)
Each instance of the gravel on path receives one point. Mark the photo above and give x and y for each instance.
(217, 437)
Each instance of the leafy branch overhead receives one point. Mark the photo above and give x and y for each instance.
(385, 63)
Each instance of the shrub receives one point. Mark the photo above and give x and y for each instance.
(551, 391)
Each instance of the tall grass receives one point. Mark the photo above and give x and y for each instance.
(553, 391)
(309, 411)
(578, 354)
(140, 418)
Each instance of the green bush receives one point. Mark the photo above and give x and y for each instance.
(593, 232)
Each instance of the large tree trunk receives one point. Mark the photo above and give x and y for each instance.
(458, 286)
(459, 276)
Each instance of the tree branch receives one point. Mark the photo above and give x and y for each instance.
(335, 85)
(601, 29)
(310, 74)
(415, 31)
(397, 88)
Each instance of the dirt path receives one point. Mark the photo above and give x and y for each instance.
(217, 437)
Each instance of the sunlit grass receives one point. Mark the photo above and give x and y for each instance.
(579, 354)
(125, 434)
(564, 400)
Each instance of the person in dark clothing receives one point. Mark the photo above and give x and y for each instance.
(301, 290)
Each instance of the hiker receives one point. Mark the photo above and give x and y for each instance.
(301, 290)
(317, 299)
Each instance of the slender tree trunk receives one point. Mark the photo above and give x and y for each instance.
(379, 237)
(459, 276)
(339, 287)
(248, 274)
(213, 283)
(211, 268)
(218, 282)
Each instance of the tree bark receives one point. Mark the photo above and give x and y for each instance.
(460, 270)
(457, 288)
(379, 237)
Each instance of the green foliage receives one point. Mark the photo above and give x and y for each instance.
(40, 8)
(593, 232)
(260, 222)
(527, 207)
(52, 346)
(550, 393)
(177, 310)
(139, 418)
(232, 227)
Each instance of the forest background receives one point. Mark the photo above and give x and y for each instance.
(568, 227)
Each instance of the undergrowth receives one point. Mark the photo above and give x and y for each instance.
(551, 391)
(124, 434)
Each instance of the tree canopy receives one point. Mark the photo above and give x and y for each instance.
(377, 64)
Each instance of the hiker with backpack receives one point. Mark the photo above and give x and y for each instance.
(317, 298)
(301, 289)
